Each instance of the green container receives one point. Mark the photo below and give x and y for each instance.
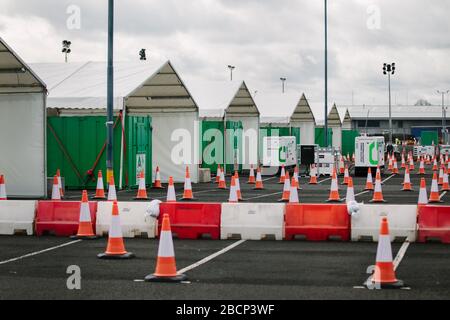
(295, 132)
(75, 143)
(236, 135)
(348, 141)
(427, 138)
(211, 140)
(320, 137)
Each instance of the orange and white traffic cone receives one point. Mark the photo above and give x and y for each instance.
(222, 183)
(435, 165)
(423, 196)
(112, 194)
(407, 182)
(403, 166)
(422, 167)
(350, 191)
(142, 190)
(116, 246)
(334, 191)
(369, 182)
(286, 188)
(293, 192)
(391, 164)
(428, 160)
(238, 185)
(445, 184)
(157, 184)
(233, 191)
(346, 176)
(441, 176)
(218, 172)
(395, 171)
(341, 166)
(85, 229)
(282, 175)
(259, 183)
(56, 195)
(187, 194)
(313, 174)
(61, 191)
(171, 196)
(434, 194)
(384, 275)
(2, 188)
(353, 157)
(412, 167)
(166, 267)
(297, 178)
(251, 177)
(378, 194)
(100, 190)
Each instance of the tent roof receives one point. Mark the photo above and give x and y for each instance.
(303, 112)
(398, 112)
(15, 74)
(334, 119)
(243, 103)
(84, 85)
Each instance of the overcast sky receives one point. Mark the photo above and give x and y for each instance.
(264, 39)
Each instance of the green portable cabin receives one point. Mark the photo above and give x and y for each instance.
(348, 135)
(77, 119)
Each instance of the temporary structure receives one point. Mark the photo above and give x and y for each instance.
(22, 123)
(304, 119)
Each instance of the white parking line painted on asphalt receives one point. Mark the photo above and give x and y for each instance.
(327, 179)
(367, 191)
(442, 195)
(211, 257)
(39, 252)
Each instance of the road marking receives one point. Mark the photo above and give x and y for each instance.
(268, 179)
(211, 257)
(328, 179)
(367, 191)
(40, 252)
(442, 195)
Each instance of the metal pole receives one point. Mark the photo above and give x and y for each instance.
(326, 77)
(110, 91)
(390, 109)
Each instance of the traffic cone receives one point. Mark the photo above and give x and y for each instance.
(251, 177)
(346, 176)
(428, 160)
(187, 194)
(85, 229)
(313, 174)
(445, 184)
(435, 165)
(259, 183)
(403, 165)
(233, 191)
(222, 182)
(353, 157)
(412, 167)
(341, 166)
(384, 275)
(61, 191)
(100, 191)
(219, 170)
(422, 167)
(423, 197)
(441, 176)
(142, 191)
(2, 188)
(391, 164)
(157, 184)
(293, 192)
(116, 247)
(282, 175)
(296, 178)
(166, 268)
(171, 196)
(286, 188)
(434, 194)
(112, 194)
(369, 183)
(378, 194)
(350, 191)
(238, 185)
(334, 191)
(407, 182)
(395, 171)
(56, 195)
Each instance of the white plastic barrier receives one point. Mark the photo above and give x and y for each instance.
(402, 222)
(17, 217)
(252, 221)
(135, 221)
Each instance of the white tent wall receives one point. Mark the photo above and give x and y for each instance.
(307, 132)
(22, 143)
(164, 126)
(251, 140)
(337, 137)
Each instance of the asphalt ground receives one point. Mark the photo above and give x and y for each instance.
(208, 192)
(252, 270)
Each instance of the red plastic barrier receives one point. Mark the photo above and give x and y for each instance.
(193, 220)
(317, 222)
(434, 223)
(61, 218)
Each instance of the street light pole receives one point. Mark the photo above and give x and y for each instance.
(389, 69)
(110, 92)
(231, 71)
(326, 75)
(444, 124)
(283, 80)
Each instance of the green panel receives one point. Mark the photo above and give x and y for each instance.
(236, 146)
(295, 132)
(320, 137)
(348, 141)
(139, 145)
(429, 137)
(83, 139)
(212, 142)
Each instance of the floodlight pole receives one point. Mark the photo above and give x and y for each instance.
(326, 142)
(110, 91)
(444, 124)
